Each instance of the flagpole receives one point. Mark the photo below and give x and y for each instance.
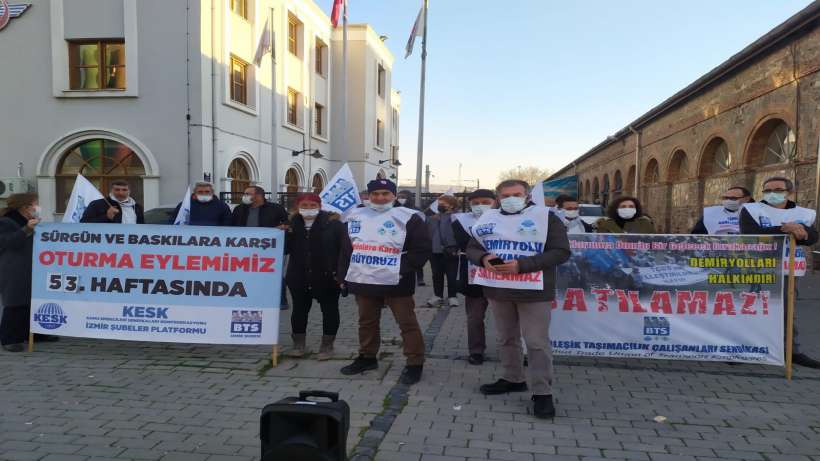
(420, 154)
(274, 138)
(344, 81)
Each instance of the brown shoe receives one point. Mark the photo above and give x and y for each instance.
(326, 349)
(298, 349)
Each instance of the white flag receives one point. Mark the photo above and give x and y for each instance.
(184, 215)
(340, 195)
(83, 193)
(537, 194)
(264, 47)
(418, 31)
(434, 205)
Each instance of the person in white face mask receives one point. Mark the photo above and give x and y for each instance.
(475, 303)
(568, 210)
(313, 244)
(383, 249)
(206, 208)
(625, 216)
(777, 215)
(724, 218)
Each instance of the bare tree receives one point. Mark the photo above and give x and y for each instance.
(531, 174)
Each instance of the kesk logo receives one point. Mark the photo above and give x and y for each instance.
(50, 316)
(527, 227)
(655, 326)
(388, 228)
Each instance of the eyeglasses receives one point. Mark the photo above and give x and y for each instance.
(769, 191)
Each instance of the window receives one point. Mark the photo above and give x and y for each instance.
(240, 7)
(100, 161)
(319, 120)
(96, 65)
(381, 82)
(293, 107)
(292, 181)
(321, 50)
(240, 176)
(379, 133)
(293, 35)
(318, 183)
(239, 80)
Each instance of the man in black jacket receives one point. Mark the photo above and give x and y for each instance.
(405, 199)
(118, 208)
(777, 215)
(206, 208)
(383, 249)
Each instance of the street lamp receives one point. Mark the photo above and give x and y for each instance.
(314, 154)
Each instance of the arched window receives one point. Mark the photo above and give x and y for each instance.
(100, 161)
(630, 181)
(678, 166)
(716, 158)
(773, 143)
(618, 188)
(652, 175)
(605, 191)
(240, 176)
(318, 183)
(292, 181)
(595, 189)
(587, 196)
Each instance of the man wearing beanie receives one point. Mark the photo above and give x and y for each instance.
(385, 247)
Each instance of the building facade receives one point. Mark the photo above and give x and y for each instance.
(165, 93)
(754, 116)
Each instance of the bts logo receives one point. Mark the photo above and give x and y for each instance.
(246, 322)
(656, 326)
(354, 227)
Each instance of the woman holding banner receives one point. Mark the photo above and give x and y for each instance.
(17, 222)
(625, 216)
(313, 243)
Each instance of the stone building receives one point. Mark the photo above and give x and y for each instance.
(754, 116)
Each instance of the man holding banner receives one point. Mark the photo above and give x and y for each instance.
(778, 215)
(516, 250)
(118, 208)
(385, 247)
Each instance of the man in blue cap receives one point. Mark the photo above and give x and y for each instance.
(385, 247)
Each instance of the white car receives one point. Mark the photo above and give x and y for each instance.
(590, 213)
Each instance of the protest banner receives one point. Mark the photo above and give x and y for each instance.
(188, 284)
(674, 297)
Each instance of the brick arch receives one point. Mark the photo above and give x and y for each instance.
(617, 183)
(705, 168)
(652, 172)
(587, 191)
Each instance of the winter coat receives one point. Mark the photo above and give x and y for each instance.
(97, 212)
(16, 248)
(213, 213)
(314, 253)
(639, 225)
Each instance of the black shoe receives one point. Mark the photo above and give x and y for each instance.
(411, 374)
(14, 347)
(360, 365)
(543, 407)
(805, 361)
(475, 359)
(422, 284)
(502, 386)
(46, 338)
(526, 362)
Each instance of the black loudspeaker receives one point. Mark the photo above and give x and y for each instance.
(301, 429)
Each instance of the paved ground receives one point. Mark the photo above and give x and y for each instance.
(83, 400)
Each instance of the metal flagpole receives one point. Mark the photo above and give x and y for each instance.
(344, 82)
(420, 154)
(274, 138)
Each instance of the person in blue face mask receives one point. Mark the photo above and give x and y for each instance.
(724, 218)
(777, 215)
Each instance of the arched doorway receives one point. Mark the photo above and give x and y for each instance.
(595, 190)
(240, 175)
(587, 196)
(100, 161)
(605, 191)
(292, 181)
(618, 187)
(318, 183)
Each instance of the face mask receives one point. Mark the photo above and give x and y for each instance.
(627, 213)
(443, 209)
(36, 212)
(366, 202)
(204, 198)
(478, 210)
(383, 207)
(309, 213)
(731, 205)
(570, 214)
(402, 201)
(774, 198)
(247, 199)
(513, 204)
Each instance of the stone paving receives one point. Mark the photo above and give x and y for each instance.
(100, 400)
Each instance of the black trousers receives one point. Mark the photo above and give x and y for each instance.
(14, 326)
(302, 302)
(443, 265)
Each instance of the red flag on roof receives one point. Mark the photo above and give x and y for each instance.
(338, 5)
